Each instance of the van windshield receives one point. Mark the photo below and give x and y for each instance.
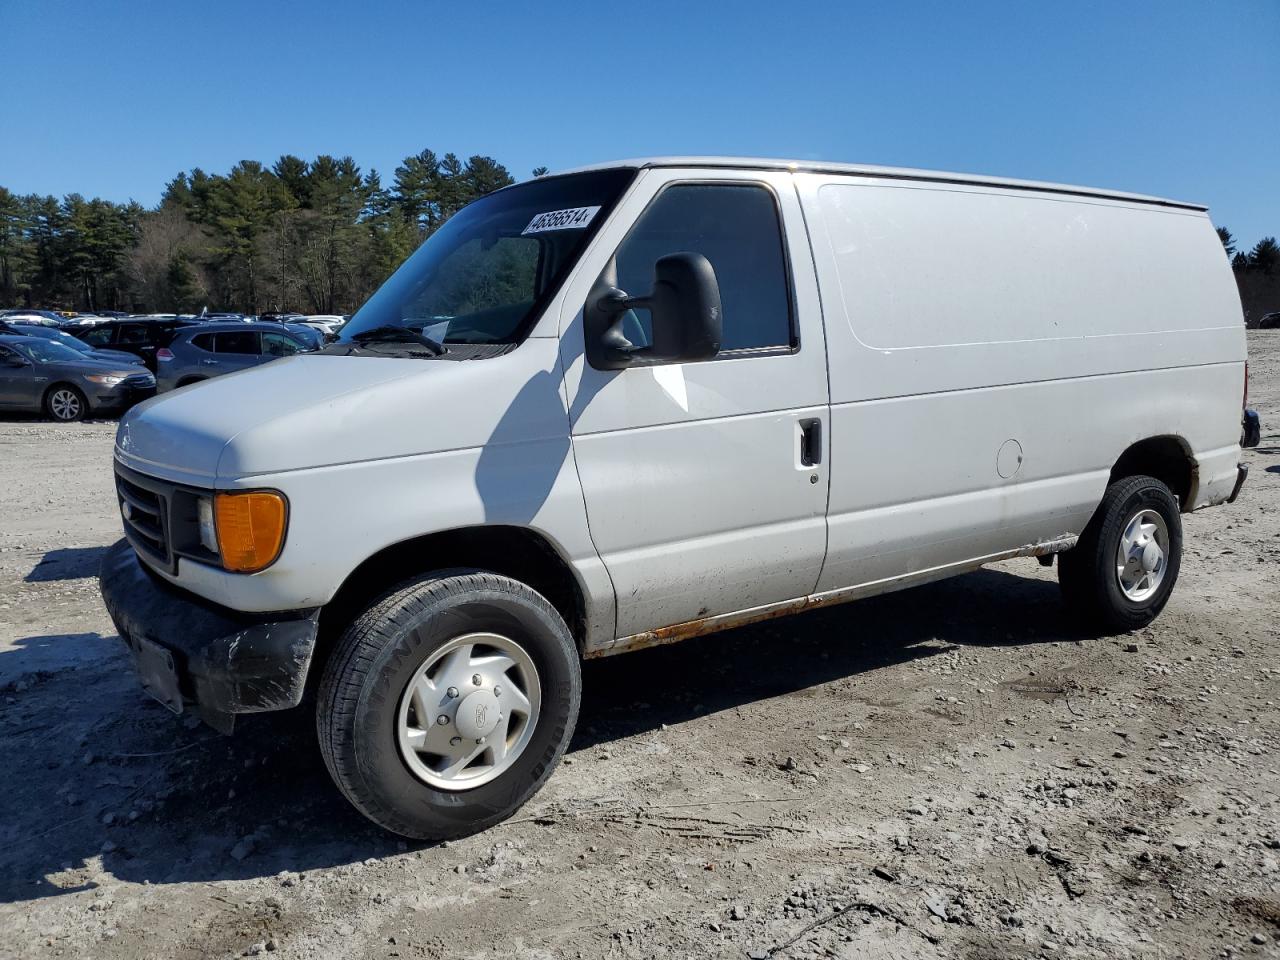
(483, 277)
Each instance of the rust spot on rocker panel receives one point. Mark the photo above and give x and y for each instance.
(707, 625)
(704, 626)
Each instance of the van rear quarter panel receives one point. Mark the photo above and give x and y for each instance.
(960, 318)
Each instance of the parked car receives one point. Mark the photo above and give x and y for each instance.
(207, 350)
(67, 340)
(278, 317)
(43, 375)
(140, 336)
(309, 335)
(82, 320)
(327, 324)
(643, 402)
(41, 318)
(222, 317)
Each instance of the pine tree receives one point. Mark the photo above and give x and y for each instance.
(1265, 256)
(184, 292)
(1228, 241)
(416, 190)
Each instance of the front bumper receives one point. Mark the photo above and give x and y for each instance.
(117, 398)
(193, 653)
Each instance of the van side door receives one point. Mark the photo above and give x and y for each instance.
(705, 483)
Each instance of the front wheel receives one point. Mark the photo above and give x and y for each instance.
(448, 703)
(1118, 577)
(65, 404)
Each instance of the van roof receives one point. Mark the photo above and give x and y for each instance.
(894, 173)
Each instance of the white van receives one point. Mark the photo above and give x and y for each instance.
(644, 401)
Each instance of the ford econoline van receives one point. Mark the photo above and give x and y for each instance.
(644, 401)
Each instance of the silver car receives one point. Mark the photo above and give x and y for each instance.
(206, 350)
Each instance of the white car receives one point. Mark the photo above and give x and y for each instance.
(38, 318)
(325, 323)
(82, 320)
(641, 402)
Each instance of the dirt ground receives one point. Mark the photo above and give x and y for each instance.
(951, 771)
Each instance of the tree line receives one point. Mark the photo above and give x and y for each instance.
(315, 236)
(1257, 275)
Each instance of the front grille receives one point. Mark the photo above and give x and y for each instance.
(139, 381)
(145, 514)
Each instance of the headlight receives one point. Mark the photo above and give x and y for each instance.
(250, 526)
(208, 532)
(106, 379)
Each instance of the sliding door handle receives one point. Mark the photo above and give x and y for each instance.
(810, 443)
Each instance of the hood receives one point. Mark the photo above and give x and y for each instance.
(91, 364)
(116, 357)
(314, 410)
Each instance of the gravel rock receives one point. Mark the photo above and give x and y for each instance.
(243, 848)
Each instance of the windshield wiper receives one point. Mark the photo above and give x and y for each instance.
(390, 333)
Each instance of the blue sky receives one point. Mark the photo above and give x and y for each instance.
(1172, 97)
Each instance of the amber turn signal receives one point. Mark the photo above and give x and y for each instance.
(250, 529)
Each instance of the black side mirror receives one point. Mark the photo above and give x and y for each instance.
(684, 306)
(12, 361)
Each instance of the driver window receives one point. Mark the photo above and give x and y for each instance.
(736, 227)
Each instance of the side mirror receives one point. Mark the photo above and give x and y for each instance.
(12, 361)
(684, 306)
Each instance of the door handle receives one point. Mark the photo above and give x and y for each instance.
(810, 443)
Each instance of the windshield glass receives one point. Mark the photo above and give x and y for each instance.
(67, 340)
(47, 351)
(57, 336)
(483, 276)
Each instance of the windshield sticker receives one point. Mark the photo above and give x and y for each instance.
(575, 218)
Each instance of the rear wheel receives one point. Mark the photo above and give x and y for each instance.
(448, 703)
(65, 403)
(1119, 575)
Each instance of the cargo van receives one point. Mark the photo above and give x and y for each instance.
(640, 402)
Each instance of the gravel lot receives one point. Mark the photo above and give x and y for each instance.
(949, 771)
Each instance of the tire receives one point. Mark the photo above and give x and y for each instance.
(366, 707)
(1093, 586)
(65, 403)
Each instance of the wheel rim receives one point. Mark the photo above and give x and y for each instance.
(468, 713)
(65, 405)
(1143, 555)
